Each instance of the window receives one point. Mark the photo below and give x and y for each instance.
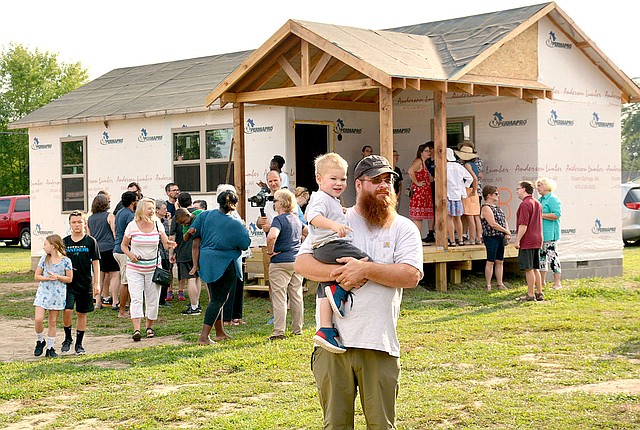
(22, 205)
(74, 174)
(458, 130)
(4, 206)
(198, 167)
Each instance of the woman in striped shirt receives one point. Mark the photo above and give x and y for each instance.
(140, 244)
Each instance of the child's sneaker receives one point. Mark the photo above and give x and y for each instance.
(329, 339)
(181, 296)
(169, 296)
(337, 297)
(66, 345)
(80, 350)
(51, 353)
(40, 344)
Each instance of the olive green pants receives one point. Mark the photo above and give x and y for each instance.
(339, 377)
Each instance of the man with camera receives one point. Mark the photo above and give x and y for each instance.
(273, 182)
(264, 222)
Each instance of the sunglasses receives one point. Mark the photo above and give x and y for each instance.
(378, 180)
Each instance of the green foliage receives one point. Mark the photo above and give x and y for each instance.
(631, 138)
(28, 81)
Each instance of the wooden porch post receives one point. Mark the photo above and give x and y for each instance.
(441, 213)
(386, 123)
(238, 158)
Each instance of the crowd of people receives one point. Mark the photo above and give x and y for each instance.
(110, 258)
(362, 258)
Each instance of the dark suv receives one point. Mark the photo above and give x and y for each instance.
(15, 219)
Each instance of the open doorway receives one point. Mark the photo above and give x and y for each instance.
(312, 139)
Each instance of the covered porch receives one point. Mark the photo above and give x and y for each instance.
(324, 66)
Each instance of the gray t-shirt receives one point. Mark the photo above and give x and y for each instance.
(329, 207)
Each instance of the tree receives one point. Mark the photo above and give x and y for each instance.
(28, 81)
(631, 139)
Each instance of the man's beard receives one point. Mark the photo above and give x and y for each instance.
(377, 211)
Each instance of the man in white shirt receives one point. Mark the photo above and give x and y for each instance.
(371, 363)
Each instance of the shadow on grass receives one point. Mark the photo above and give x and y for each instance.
(630, 347)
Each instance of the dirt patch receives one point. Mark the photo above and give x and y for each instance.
(21, 287)
(627, 386)
(19, 340)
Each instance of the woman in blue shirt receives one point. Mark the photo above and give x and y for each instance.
(551, 212)
(217, 245)
(283, 243)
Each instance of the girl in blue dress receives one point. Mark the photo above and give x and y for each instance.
(54, 272)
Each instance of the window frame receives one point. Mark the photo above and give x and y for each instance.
(68, 176)
(203, 162)
(472, 128)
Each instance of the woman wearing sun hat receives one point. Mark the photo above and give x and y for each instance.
(471, 219)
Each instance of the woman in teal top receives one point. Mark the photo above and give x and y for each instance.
(217, 245)
(551, 213)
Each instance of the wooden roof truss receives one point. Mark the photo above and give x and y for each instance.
(303, 70)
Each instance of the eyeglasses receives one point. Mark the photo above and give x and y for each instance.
(496, 193)
(378, 180)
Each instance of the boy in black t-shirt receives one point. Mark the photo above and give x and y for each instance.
(83, 251)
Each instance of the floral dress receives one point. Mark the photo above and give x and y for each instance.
(421, 203)
(52, 295)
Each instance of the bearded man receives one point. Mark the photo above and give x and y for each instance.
(371, 364)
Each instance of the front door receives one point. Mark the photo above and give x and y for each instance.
(311, 140)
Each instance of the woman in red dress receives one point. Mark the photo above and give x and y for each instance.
(421, 203)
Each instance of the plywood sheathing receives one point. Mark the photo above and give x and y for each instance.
(517, 59)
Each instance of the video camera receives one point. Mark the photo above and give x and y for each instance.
(260, 200)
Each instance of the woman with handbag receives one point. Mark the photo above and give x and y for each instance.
(140, 245)
(421, 203)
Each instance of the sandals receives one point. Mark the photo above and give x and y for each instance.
(452, 244)
(150, 333)
(136, 336)
(238, 321)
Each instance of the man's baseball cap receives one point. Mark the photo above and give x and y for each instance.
(372, 166)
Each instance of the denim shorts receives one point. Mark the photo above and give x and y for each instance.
(495, 247)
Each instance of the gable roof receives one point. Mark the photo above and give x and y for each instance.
(461, 40)
(328, 66)
(323, 65)
(173, 87)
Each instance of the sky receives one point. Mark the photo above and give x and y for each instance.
(107, 35)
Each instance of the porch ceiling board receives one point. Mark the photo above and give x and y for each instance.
(300, 91)
(315, 103)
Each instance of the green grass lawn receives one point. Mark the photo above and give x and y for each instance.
(15, 264)
(470, 359)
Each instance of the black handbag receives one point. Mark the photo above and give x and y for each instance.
(161, 276)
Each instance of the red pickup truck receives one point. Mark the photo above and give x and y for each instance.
(15, 218)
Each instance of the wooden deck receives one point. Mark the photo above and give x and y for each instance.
(449, 262)
(456, 259)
